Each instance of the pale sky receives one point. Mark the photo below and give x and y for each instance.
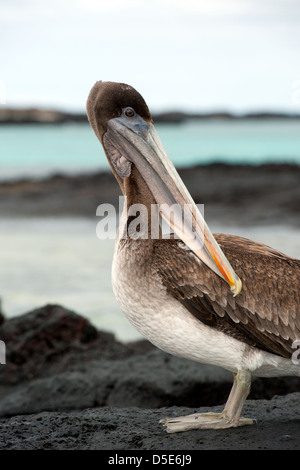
(193, 55)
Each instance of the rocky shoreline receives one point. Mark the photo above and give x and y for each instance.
(232, 194)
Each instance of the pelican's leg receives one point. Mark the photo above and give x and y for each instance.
(230, 417)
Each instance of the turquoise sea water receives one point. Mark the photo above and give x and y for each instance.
(34, 150)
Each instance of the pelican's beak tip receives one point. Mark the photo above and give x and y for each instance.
(237, 287)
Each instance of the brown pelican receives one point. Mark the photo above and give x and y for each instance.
(222, 299)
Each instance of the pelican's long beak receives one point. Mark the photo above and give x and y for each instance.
(137, 142)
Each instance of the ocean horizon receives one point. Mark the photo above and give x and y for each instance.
(35, 151)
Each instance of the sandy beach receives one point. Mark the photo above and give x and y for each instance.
(69, 385)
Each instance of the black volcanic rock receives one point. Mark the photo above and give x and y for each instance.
(63, 375)
(38, 116)
(232, 194)
(49, 340)
(57, 360)
(134, 429)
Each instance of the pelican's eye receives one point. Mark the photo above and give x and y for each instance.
(129, 112)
